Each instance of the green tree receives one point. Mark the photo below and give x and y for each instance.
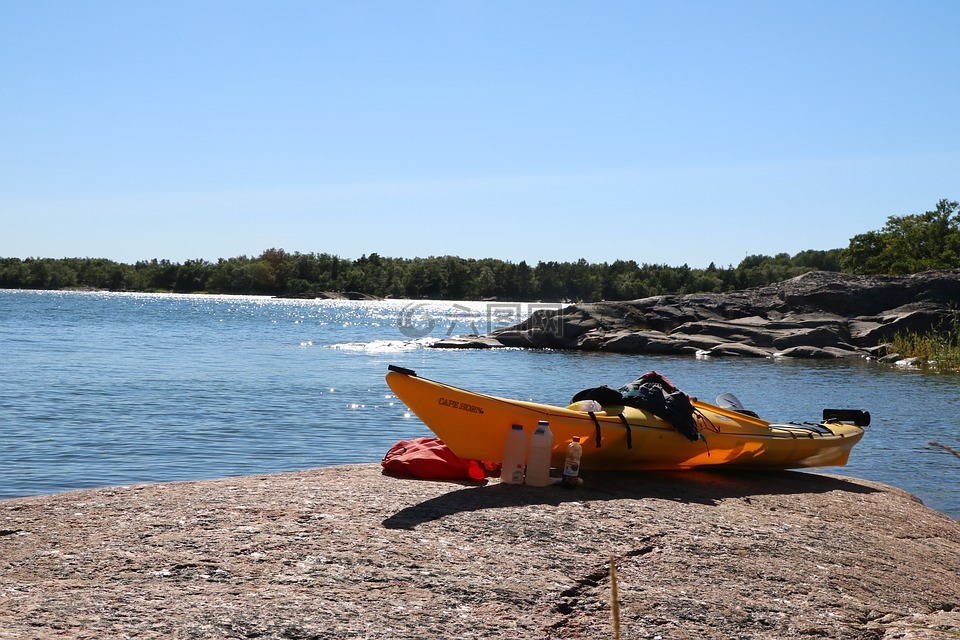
(192, 276)
(908, 244)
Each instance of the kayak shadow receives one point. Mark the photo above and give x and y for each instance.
(693, 487)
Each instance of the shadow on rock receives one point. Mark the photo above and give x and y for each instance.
(701, 487)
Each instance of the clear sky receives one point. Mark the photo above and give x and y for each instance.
(664, 132)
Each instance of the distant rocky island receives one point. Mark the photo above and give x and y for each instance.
(329, 295)
(819, 314)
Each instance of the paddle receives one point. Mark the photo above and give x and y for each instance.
(856, 416)
(730, 413)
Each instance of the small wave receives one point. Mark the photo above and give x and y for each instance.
(385, 346)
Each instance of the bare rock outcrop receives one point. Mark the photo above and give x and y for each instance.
(815, 315)
(346, 552)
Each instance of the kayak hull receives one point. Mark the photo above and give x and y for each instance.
(475, 426)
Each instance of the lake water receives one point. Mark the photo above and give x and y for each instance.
(100, 389)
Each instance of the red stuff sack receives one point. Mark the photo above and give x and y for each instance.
(431, 459)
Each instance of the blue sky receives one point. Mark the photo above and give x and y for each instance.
(662, 132)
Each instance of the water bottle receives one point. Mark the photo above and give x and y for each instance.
(514, 453)
(538, 460)
(571, 467)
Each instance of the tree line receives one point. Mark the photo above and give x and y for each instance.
(279, 273)
(905, 245)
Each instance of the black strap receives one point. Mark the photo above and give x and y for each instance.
(596, 422)
(629, 433)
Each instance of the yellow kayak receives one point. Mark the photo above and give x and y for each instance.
(475, 427)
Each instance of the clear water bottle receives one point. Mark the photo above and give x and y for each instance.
(538, 460)
(571, 467)
(514, 454)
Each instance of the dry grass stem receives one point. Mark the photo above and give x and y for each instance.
(614, 598)
(945, 448)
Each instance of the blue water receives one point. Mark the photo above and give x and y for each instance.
(100, 389)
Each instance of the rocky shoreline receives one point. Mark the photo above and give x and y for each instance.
(347, 552)
(816, 315)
